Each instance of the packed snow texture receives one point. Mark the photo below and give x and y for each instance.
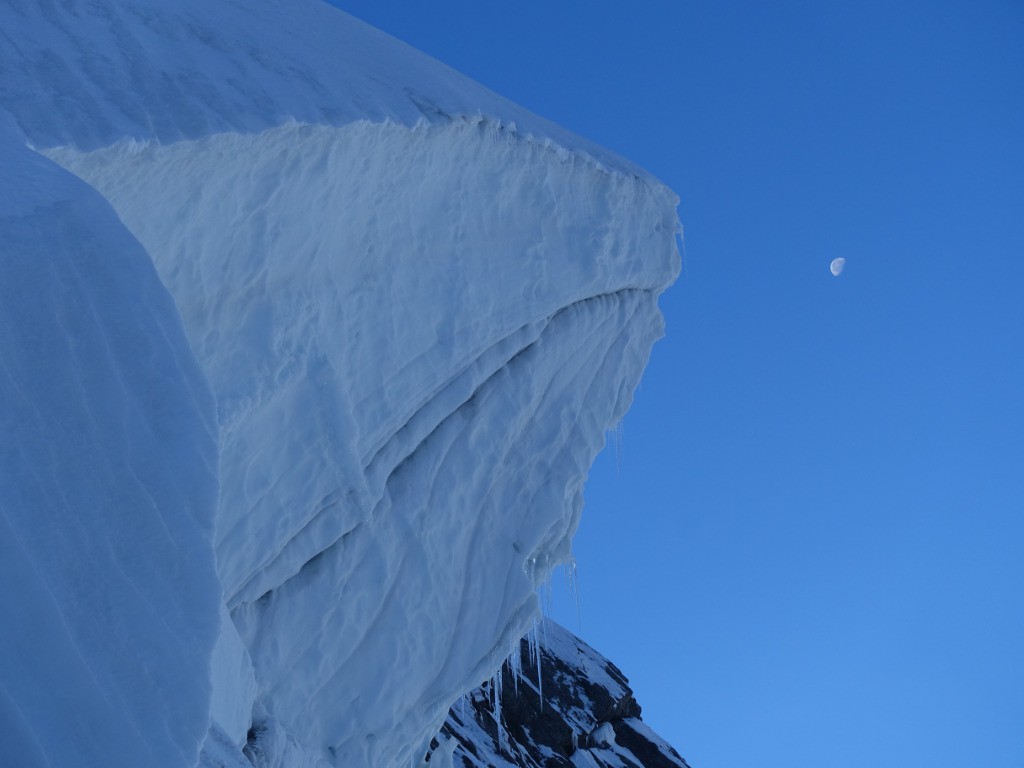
(107, 489)
(418, 306)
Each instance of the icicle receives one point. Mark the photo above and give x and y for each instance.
(531, 642)
(540, 680)
(515, 664)
(617, 432)
(545, 593)
(573, 582)
(542, 638)
(530, 567)
(496, 683)
(533, 646)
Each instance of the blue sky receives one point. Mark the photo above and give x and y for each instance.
(808, 549)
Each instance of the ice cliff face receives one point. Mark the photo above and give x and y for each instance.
(418, 307)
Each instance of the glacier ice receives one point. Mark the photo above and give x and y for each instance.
(419, 308)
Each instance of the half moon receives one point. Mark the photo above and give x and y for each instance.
(836, 267)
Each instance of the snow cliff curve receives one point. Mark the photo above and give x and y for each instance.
(419, 308)
(107, 489)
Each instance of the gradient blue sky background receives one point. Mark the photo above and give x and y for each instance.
(810, 549)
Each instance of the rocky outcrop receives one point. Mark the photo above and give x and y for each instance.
(558, 703)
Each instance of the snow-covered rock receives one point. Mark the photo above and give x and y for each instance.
(419, 308)
(108, 611)
(557, 702)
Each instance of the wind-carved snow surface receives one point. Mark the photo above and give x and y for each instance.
(412, 386)
(419, 308)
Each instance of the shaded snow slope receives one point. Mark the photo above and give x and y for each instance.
(419, 308)
(107, 489)
(560, 704)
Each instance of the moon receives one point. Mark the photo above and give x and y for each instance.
(836, 267)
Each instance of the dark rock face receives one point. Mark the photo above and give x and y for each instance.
(573, 709)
